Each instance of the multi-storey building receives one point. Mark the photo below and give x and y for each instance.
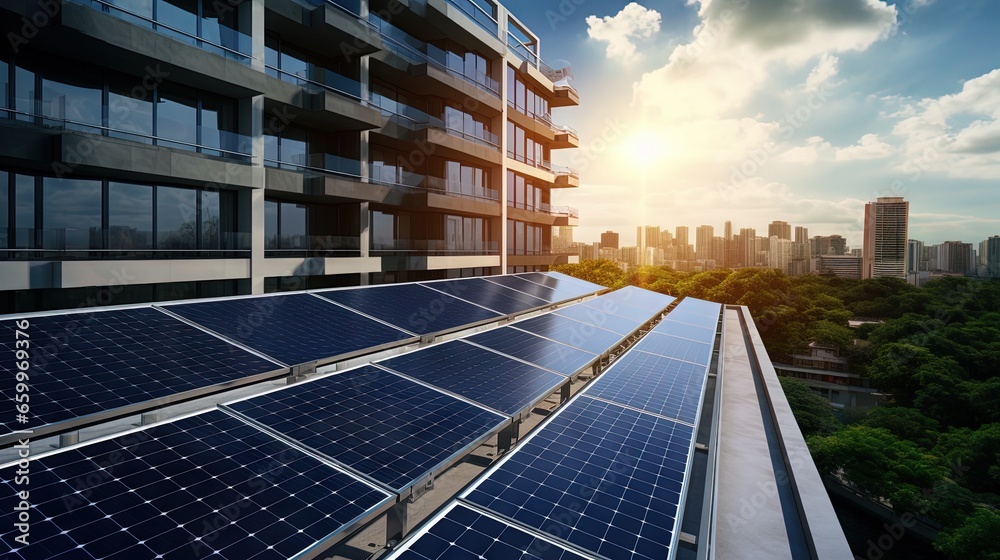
(704, 236)
(609, 240)
(990, 255)
(884, 253)
(801, 234)
(156, 149)
(828, 245)
(783, 230)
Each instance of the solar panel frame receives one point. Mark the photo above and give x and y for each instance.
(439, 313)
(295, 328)
(521, 344)
(100, 361)
(439, 539)
(455, 365)
(593, 486)
(213, 461)
(271, 413)
(487, 294)
(694, 351)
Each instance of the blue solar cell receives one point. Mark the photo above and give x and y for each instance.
(489, 295)
(694, 319)
(670, 327)
(382, 425)
(526, 286)
(600, 319)
(603, 477)
(700, 306)
(293, 329)
(612, 307)
(674, 347)
(412, 307)
(638, 297)
(463, 533)
(664, 386)
(546, 353)
(481, 375)
(564, 278)
(87, 363)
(204, 486)
(566, 287)
(574, 333)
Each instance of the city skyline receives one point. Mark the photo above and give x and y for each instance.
(891, 99)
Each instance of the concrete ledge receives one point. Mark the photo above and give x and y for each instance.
(78, 274)
(317, 266)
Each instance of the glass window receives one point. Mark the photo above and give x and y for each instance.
(176, 212)
(181, 15)
(293, 147)
(382, 230)
(4, 86)
(293, 63)
(211, 224)
(24, 211)
(519, 143)
(218, 124)
(271, 155)
(177, 117)
(130, 216)
(530, 104)
(4, 207)
(71, 214)
(293, 226)
(272, 60)
(270, 224)
(511, 99)
(510, 237)
(24, 92)
(130, 111)
(141, 8)
(219, 24)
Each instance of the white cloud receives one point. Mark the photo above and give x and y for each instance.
(815, 149)
(619, 31)
(824, 70)
(868, 147)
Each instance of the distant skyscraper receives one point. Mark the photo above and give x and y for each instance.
(914, 255)
(746, 246)
(727, 232)
(682, 243)
(992, 251)
(955, 257)
(646, 236)
(801, 234)
(783, 230)
(828, 245)
(703, 236)
(886, 228)
(609, 240)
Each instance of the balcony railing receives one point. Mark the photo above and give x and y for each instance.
(438, 185)
(418, 52)
(405, 115)
(540, 164)
(327, 164)
(522, 49)
(482, 137)
(546, 208)
(478, 15)
(119, 243)
(434, 247)
(213, 142)
(321, 80)
(563, 170)
(226, 42)
(298, 246)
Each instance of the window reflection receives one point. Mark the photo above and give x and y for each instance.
(24, 211)
(176, 212)
(130, 111)
(69, 96)
(177, 116)
(24, 92)
(270, 224)
(71, 214)
(293, 226)
(130, 216)
(211, 220)
(4, 209)
(179, 15)
(4, 86)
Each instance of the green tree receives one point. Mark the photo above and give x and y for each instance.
(601, 271)
(812, 413)
(905, 423)
(976, 538)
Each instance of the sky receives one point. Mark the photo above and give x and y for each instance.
(696, 112)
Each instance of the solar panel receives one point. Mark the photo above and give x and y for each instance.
(481, 375)
(565, 330)
(566, 287)
(88, 363)
(610, 306)
(603, 477)
(293, 329)
(664, 386)
(526, 286)
(384, 426)
(462, 533)
(412, 307)
(693, 319)
(638, 297)
(204, 486)
(683, 330)
(598, 318)
(491, 296)
(549, 354)
(565, 278)
(674, 347)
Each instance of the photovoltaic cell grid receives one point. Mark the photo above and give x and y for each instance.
(574, 333)
(293, 329)
(604, 304)
(481, 375)
(663, 386)
(640, 298)
(378, 423)
(675, 347)
(104, 360)
(412, 307)
(554, 279)
(489, 295)
(204, 486)
(546, 353)
(683, 330)
(696, 312)
(527, 286)
(598, 475)
(598, 318)
(463, 533)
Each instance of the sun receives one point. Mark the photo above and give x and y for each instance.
(646, 148)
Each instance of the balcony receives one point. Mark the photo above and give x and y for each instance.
(329, 100)
(119, 243)
(206, 34)
(566, 177)
(468, 23)
(433, 247)
(311, 246)
(564, 95)
(436, 193)
(543, 213)
(327, 164)
(565, 137)
(332, 27)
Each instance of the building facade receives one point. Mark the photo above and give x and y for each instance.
(609, 240)
(159, 150)
(885, 237)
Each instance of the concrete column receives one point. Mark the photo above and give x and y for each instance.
(252, 23)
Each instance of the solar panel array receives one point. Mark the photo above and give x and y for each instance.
(605, 475)
(284, 472)
(91, 366)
